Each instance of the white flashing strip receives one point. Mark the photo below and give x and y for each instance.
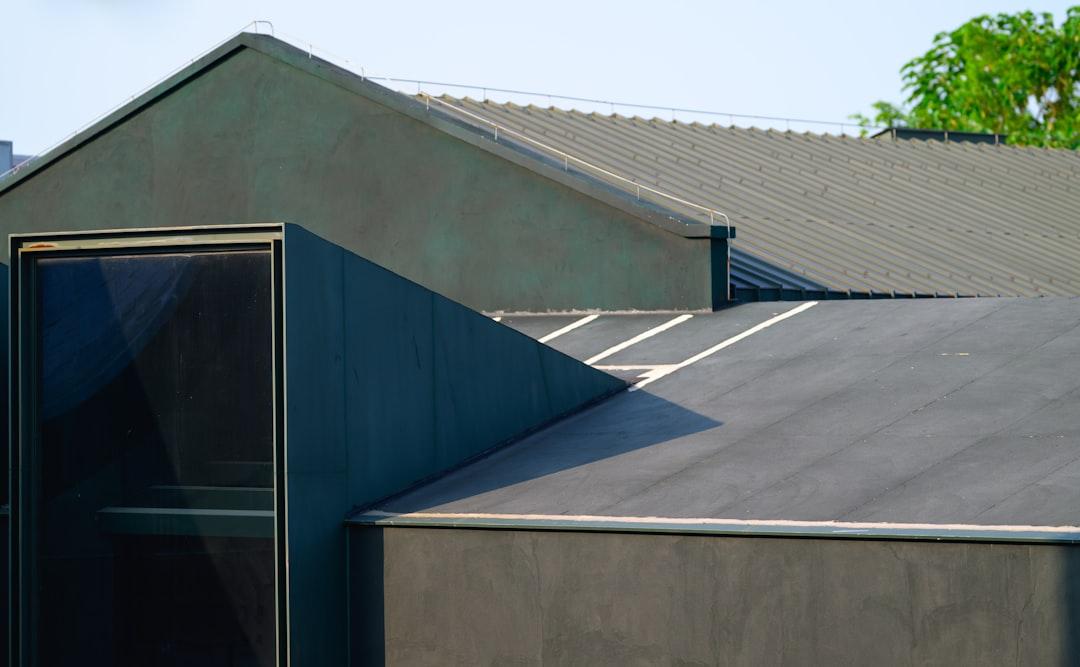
(568, 328)
(662, 371)
(720, 523)
(647, 370)
(638, 338)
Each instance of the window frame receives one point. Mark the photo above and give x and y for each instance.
(24, 372)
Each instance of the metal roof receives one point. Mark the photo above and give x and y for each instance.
(922, 134)
(920, 218)
(961, 414)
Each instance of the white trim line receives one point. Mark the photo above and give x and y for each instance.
(568, 328)
(668, 370)
(633, 367)
(763, 523)
(638, 338)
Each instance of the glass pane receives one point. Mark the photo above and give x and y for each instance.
(154, 495)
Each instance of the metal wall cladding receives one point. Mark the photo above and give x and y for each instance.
(869, 216)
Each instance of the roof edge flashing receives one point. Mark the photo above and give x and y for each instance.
(724, 527)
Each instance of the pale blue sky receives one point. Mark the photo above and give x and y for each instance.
(68, 61)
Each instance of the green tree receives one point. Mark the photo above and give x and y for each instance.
(1014, 74)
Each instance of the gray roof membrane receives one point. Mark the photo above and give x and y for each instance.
(895, 412)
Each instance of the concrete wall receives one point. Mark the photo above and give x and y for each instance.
(387, 383)
(463, 597)
(255, 138)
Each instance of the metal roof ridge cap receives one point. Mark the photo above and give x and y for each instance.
(723, 527)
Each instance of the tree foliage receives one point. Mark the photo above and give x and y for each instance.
(1014, 74)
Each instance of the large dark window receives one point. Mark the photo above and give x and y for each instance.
(151, 506)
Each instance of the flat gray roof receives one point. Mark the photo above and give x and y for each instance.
(903, 412)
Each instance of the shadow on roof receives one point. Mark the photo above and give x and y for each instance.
(624, 423)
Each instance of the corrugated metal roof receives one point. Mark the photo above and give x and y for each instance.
(844, 213)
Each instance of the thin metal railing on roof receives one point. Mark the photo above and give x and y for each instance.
(568, 158)
(731, 116)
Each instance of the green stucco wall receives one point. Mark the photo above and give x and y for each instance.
(255, 138)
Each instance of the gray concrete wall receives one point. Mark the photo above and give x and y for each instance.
(257, 138)
(470, 597)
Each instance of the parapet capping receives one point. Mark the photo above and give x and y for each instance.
(850, 530)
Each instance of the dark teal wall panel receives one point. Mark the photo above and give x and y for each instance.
(5, 545)
(4, 361)
(317, 567)
(388, 391)
(315, 353)
(488, 382)
(565, 386)
(387, 384)
(316, 475)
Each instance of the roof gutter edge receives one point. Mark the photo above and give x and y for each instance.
(989, 534)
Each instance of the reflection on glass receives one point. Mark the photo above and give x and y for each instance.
(155, 400)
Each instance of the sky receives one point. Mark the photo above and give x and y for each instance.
(68, 62)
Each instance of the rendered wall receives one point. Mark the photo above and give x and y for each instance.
(255, 139)
(459, 596)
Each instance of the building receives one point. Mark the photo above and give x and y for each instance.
(491, 402)
(8, 159)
